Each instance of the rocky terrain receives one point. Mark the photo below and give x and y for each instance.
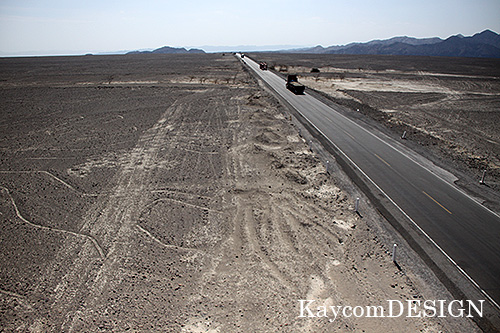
(173, 193)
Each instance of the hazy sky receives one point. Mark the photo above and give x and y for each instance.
(51, 26)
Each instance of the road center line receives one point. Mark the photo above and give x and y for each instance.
(436, 202)
(380, 158)
(350, 135)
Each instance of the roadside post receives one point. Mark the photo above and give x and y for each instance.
(482, 177)
(394, 252)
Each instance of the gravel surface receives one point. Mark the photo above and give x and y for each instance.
(172, 193)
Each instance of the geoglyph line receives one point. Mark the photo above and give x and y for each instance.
(12, 294)
(169, 246)
(200, 152)
(54, 177)
(93, 240)
(166, 190)
(183, 203)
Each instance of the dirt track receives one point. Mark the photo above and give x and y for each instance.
(169, 193)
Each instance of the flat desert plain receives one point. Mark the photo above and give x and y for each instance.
(173, 193)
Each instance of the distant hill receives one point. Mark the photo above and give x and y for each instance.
(169, 50)
(484, 45)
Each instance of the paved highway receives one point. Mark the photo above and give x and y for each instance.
(464, 230)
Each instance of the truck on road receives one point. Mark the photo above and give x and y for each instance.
(263, 66)
(293, 85)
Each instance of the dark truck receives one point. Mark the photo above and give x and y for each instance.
(294, 86)
(263, 66)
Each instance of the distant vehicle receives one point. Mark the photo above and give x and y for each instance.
(242, 55)
(293, 85)
(263, 66)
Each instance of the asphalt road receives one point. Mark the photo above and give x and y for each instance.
(464, 230)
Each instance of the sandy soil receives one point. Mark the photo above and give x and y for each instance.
(171, 193)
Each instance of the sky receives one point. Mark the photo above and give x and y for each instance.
(45, 27)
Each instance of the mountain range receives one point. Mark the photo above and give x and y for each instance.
(483, 45)
(169, 50)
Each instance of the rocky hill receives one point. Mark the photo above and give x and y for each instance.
(485, 45)
(169, 50)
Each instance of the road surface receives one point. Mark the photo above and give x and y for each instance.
(464, 230)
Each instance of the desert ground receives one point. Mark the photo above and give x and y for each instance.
(174, 193)
(449, 107)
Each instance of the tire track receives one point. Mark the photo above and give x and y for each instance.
(112, 221)
(253, 242)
